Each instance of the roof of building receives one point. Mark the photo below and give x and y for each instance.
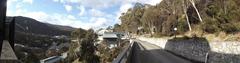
(110, 35)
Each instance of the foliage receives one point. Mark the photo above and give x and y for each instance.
(131, 19)
(88, 52)
(217, 16)
(107, 55)
(117, 27)
(86, 40)
(78, 33)
(182, 26)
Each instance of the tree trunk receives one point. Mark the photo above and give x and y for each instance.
(189, 25)
(194, 6)
(185, 12)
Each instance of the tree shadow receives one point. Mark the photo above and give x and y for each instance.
(141, 55)
(156, 54)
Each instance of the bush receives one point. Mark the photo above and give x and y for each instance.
(228, 28)
(182, 27)
(211, 25)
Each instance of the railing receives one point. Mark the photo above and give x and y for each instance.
(7, 54)
(125, 55)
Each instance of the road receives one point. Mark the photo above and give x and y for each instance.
(144, 52)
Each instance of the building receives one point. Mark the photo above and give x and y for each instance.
(111, 39)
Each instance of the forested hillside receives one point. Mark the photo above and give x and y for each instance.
(29, 25)
(205, 16)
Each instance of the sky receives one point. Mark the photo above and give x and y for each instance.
(75, 13)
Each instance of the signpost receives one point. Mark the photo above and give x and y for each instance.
(175, 31)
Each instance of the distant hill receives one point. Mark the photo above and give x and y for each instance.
(36, 37)
(29, 25)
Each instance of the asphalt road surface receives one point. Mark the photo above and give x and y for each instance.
(144, 52)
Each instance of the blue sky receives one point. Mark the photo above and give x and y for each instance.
(75, 13)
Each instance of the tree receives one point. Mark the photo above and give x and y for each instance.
(88, 49)
(185, 6)
(86, 39)
(131, 19)
(117, 28)
(194, 6)
(78, 33)
(71, 53)
(87, 52)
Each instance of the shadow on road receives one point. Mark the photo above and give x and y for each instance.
(140, 54)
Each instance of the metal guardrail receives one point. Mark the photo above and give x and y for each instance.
(125, 55)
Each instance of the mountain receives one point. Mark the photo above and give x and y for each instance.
(29, 25)
(35, 38)
(30, 32)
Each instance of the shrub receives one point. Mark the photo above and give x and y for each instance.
(211, 25)
(182, 27)
(229, 28)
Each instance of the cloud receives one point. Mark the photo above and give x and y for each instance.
(69, 1)
(10, 2)
(94, 7)
(151, 2)
(28, 1)
(99, 4)
(82, 10)
(125, 7)
(90, 13)
(96, 4)
(98, 22)
(56, 0)
(41, 16)
(96, 13)
(68, 8)
(71, 17)
(61, 19)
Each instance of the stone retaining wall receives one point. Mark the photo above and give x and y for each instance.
(219, 52)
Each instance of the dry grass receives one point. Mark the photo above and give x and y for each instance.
(222, 36)
(233, 37)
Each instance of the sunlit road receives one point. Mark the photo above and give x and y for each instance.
(144, 52)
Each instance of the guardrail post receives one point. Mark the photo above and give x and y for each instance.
(206, 58)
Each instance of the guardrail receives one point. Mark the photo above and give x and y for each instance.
(7, 54)
(125, 55)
